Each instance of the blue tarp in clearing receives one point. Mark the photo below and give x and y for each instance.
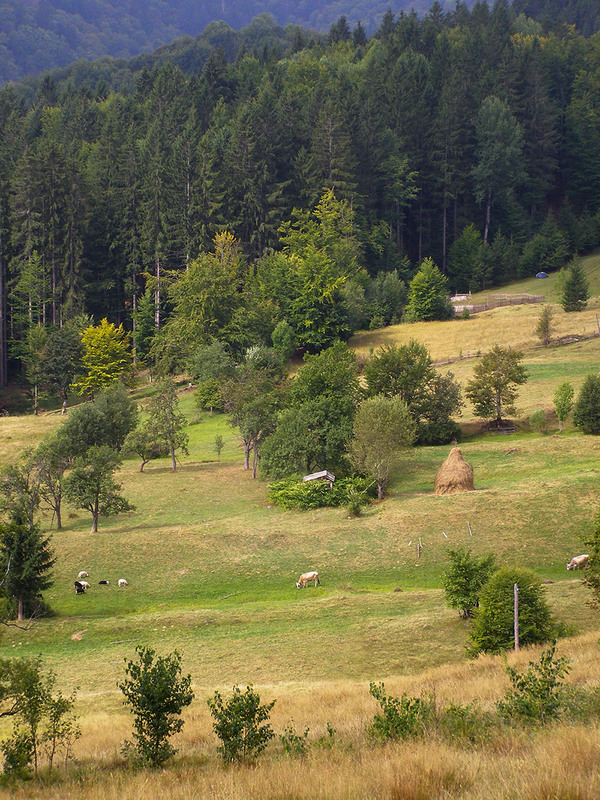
(542, 275)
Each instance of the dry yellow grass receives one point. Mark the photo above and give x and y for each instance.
(510, 325)
(559, 762)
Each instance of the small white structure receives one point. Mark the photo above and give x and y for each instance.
(324, 475)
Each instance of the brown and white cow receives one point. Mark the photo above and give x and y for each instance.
(306, 578)
(577, 562)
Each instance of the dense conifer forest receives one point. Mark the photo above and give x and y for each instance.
(222, 186)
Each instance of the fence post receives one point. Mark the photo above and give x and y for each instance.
(516, 590)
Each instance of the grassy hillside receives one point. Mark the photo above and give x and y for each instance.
(211, 569)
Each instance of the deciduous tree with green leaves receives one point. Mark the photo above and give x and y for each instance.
(90, 484)
(463, 579)
(383, 427)
(500, 164)
(157, 693)
(492, 389)
(563, 402)
(406, 371)
(166, 421)
(105, 357)
(543, 329)
(241, 723)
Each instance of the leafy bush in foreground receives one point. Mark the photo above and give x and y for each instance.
(401, 717)
(157, 694)
(536, 695)
(241, 723)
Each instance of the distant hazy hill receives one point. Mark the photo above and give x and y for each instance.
(38, 35)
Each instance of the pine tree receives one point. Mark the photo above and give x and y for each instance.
(575, 287)
(26, 560)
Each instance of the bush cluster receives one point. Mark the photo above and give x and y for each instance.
(291, 493)
(157, 692)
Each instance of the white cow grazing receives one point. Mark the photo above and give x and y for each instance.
(85, 584)
(82, 574)
(306, 578)
(122, 582)
(578, 561)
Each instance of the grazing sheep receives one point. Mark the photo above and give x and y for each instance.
(79, 588)
(306, 578)
(578, 561)
(103, 583)
(82, 574)
(85, 584)
(122, 582)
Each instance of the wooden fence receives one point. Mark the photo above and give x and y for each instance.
(498, 300)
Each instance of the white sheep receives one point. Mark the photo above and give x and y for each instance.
(122, 582)
(85, 584)
(82, 574)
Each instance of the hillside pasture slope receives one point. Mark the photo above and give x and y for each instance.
(212, 568)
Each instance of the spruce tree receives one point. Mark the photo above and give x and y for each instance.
(26, 559)
(575, 289)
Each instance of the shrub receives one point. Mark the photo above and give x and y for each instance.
(291, 493)
(157, 694)
(294, 744)
(18, 755)
(328, 738)
(463, 579)
(465, 724)
(402, 717)
(586, 413)
(493, 625)
(41, 718)
(536, 695)
(241, 723)
(538, 421)
(355, 503)
(563, 402)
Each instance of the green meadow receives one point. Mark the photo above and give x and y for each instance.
(212, 564)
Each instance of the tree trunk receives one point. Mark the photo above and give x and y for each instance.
(58, 516)
(254, 461)
(380, 491)
(95, 513)
(157, 295)
(488, 212)
(173, 459)
(20, 608)
(247, 449)
(444, 236)
(63, 409)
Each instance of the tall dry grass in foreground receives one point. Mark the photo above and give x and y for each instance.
(559, 762)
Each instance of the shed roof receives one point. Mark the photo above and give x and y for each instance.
(323, 475)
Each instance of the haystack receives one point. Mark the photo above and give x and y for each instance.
(455, 475)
